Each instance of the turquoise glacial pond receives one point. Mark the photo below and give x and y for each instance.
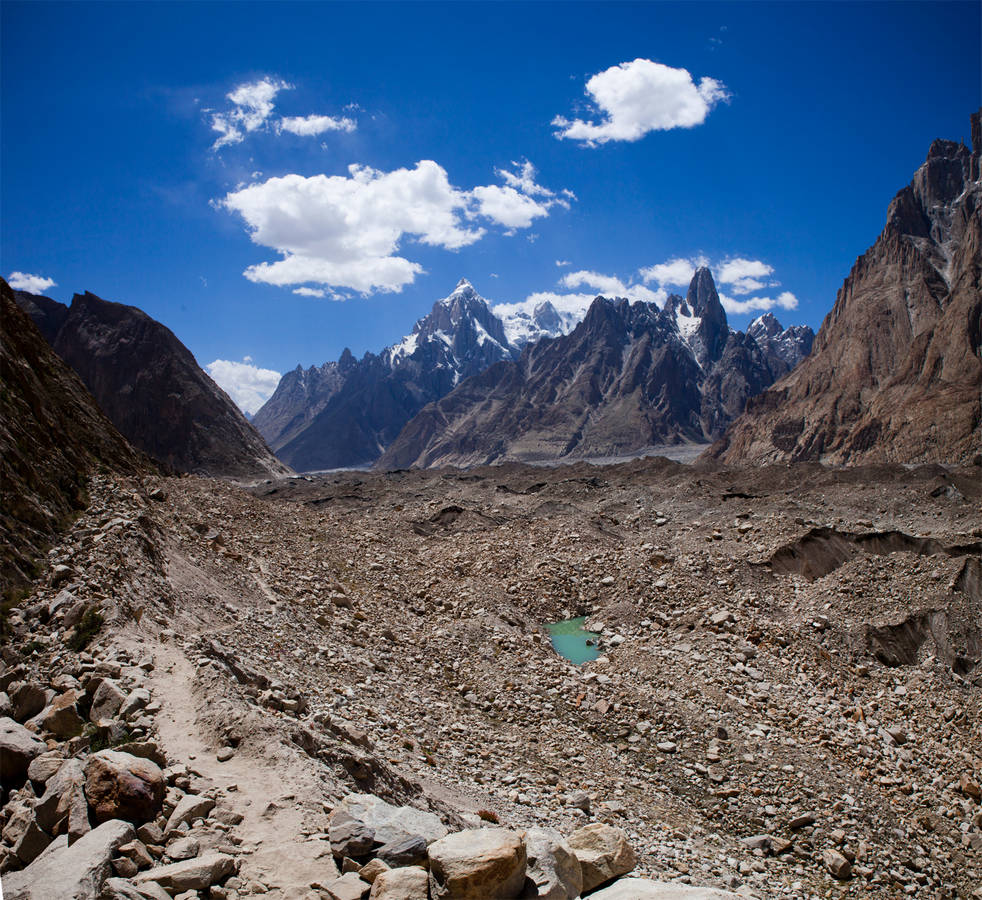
(569, 639)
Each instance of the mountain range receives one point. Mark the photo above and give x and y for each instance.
(628, 377)
(352, 412)
(896, 372)
(149, 385)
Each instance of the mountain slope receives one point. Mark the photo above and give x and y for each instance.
(346, 413)
(627, 377)
(149, 385)
(895, 373)
(52, 437)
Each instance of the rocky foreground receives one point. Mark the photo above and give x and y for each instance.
(342, 687)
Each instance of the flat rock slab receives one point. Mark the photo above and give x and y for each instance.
(70, 873)
(391, 823)
(191, 874)
(477, 864)
(642, 889)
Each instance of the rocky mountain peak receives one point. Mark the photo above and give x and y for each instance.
(767, 324)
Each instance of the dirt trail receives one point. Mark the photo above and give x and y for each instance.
(274, 801)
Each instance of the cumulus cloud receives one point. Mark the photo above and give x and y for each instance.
(745, 275)
(785, 300)
(635, 98)
(249, 386)
(611, 286)
(674, 271)
(311, 125)
(33, 284)
(347, 231)
(252, 110)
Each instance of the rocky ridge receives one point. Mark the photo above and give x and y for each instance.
(750, 725)
(896, 370)
(52, 438)
(627, 378)
(149, 385)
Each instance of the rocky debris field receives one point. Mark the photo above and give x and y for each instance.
(211, 689)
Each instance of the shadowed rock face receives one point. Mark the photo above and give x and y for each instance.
(895, 373)
(149, 385)
(629, 376)
(52, 436)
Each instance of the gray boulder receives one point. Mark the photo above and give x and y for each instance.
(106, 700)
(391, 823)
(63, 808)
(190, 874)
(77, 872)
(17, 748)
(554, 872)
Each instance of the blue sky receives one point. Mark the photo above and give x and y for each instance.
(158, 154)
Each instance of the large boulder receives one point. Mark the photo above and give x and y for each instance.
(643, 889)
(17, 748)
(106, 700)
(77, 872)
(22, 833)
(477, 864)
(190, 874)
(61, 717)
(27, 699)
(390, 823)
(63, 808)
(406, 883)
(123, 786)
(604, 853)
(554, 872)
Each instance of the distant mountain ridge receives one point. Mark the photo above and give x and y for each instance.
(627, 377)
(348, 413)
(150, 386)
(896, 371)
(345, 413)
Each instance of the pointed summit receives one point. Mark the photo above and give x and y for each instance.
(707, 336)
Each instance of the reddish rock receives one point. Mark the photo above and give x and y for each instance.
(122, 786)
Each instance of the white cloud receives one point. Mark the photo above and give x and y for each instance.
(562, 263)
(252, 109)
(674, 271)
(785, 300)
(311, 125)
(252, 105)
(248, 385)
(577, 302)
(34, 284)
(309, 292)
(346, 231)
(744, 275)
(635, 98)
